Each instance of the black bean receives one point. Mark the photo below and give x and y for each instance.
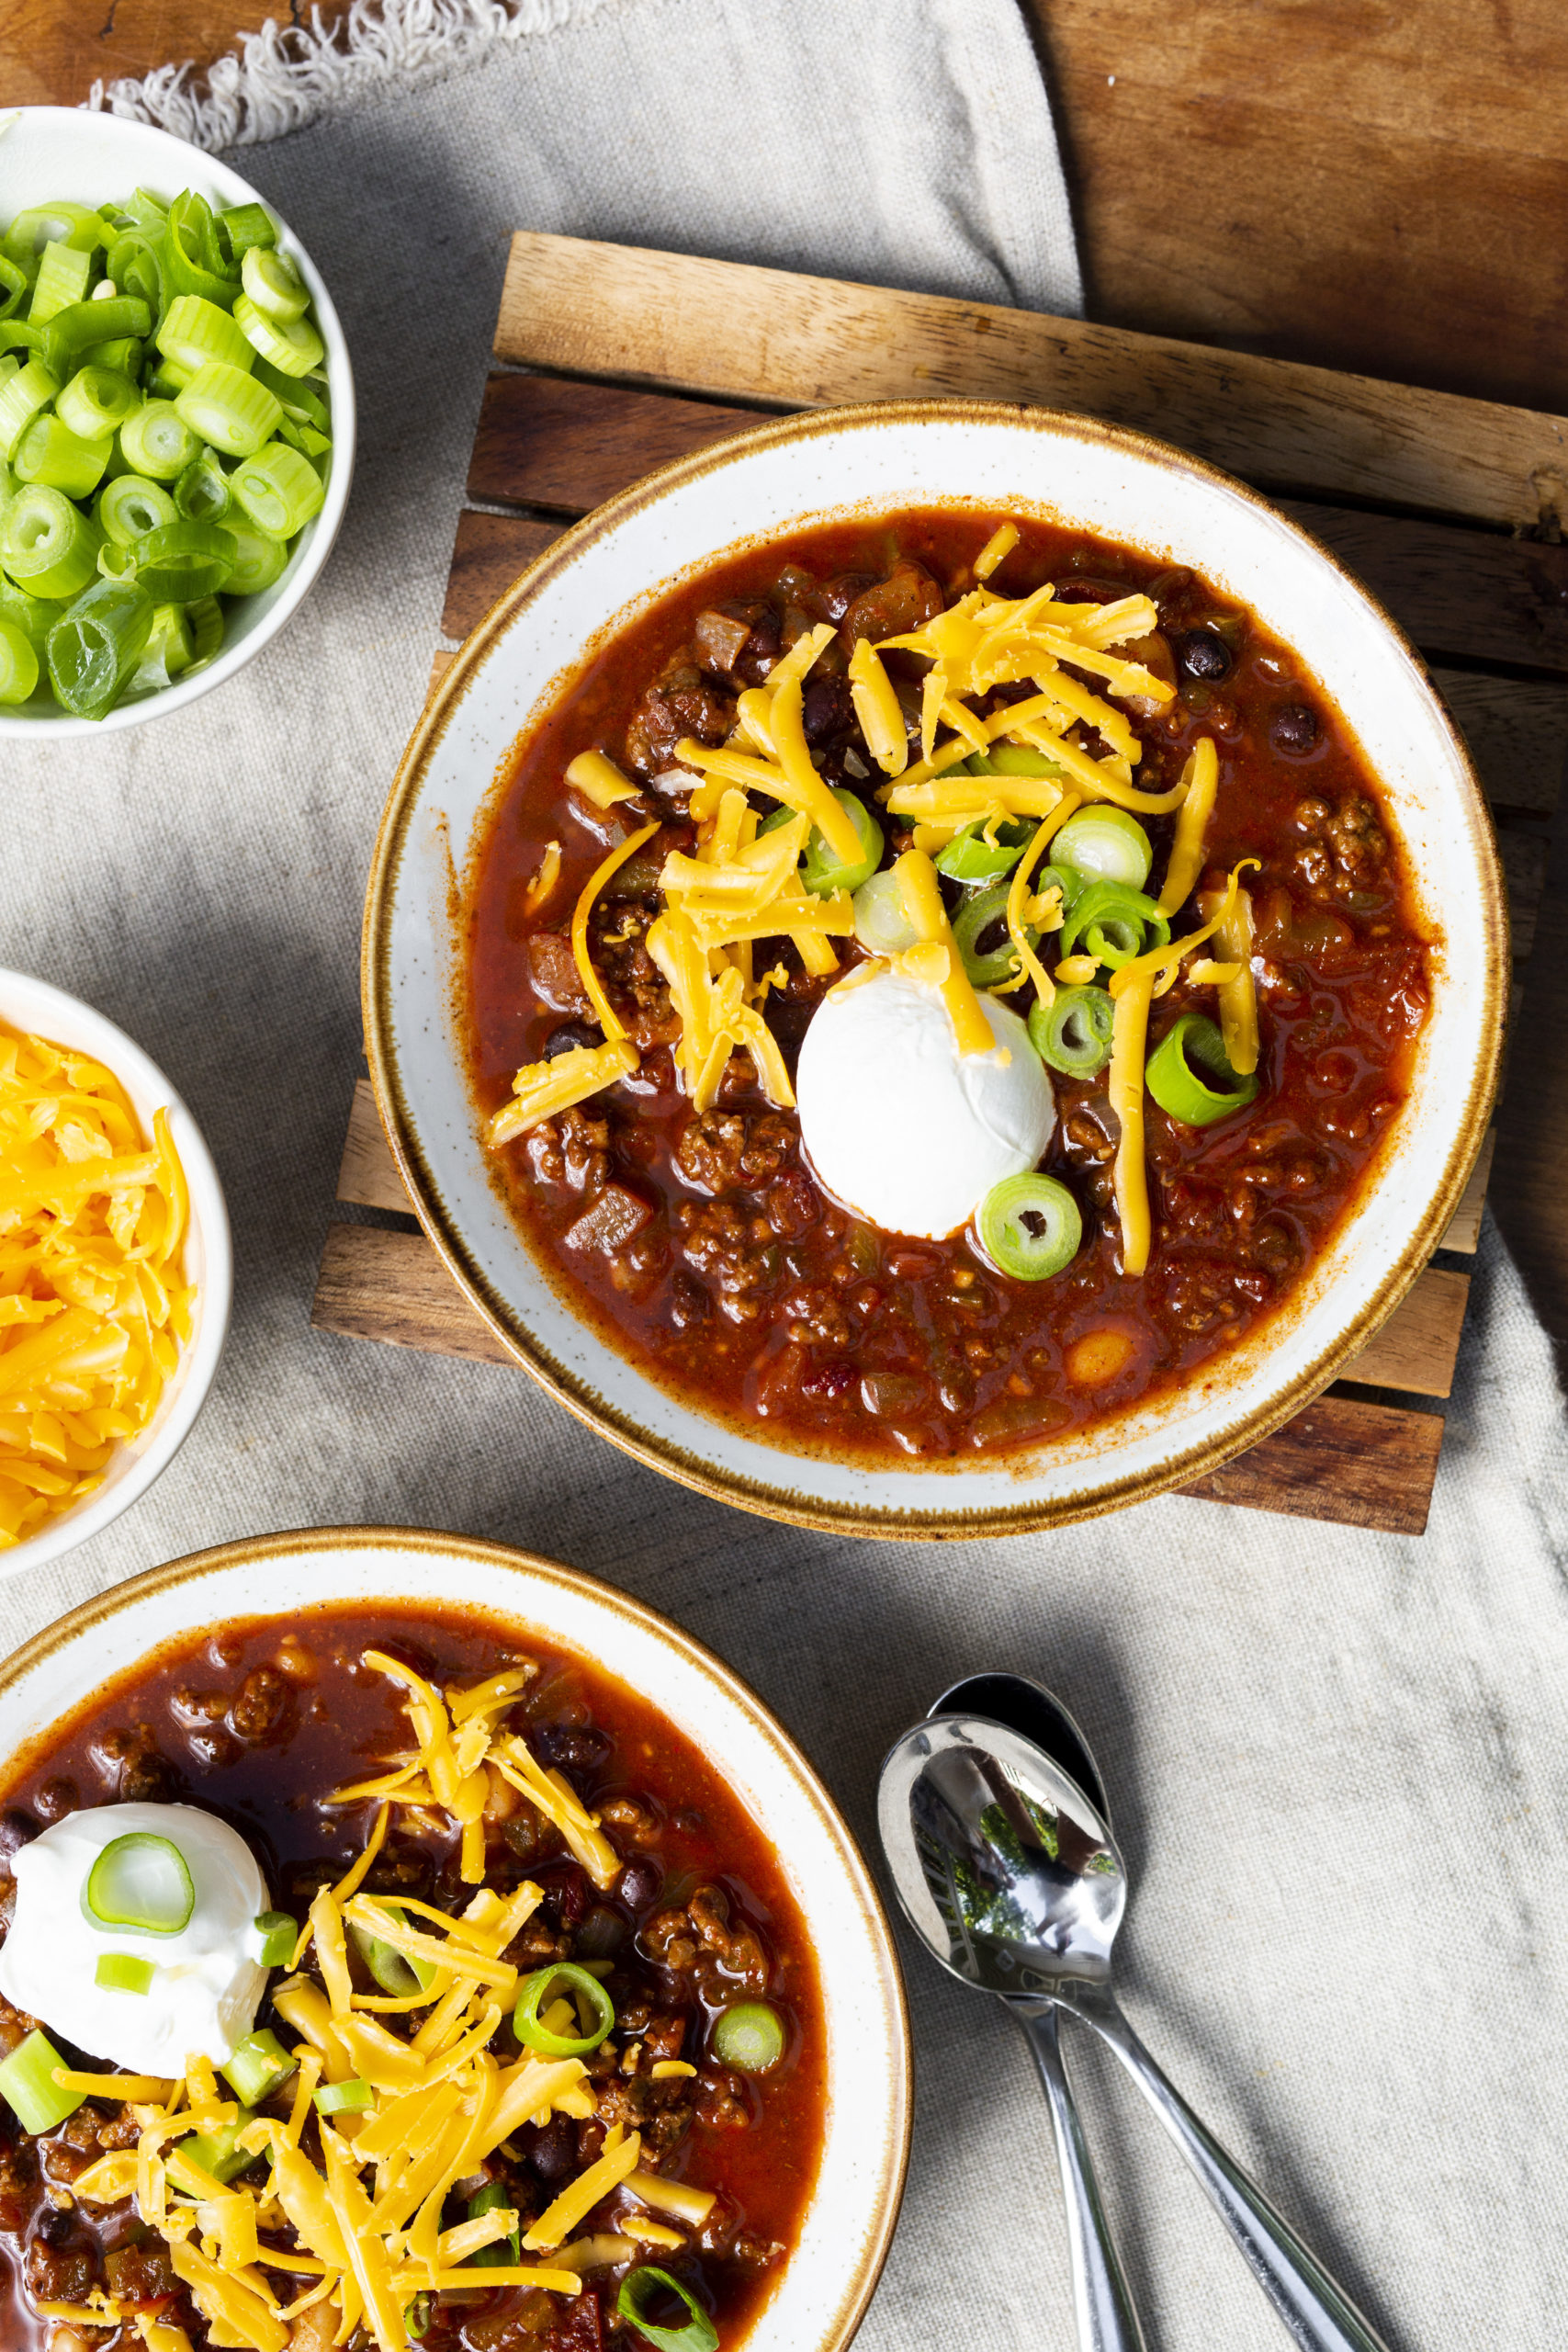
(571, 1033)
(554, 2152)
(827, 709)
(1204, 654)
(56, 1799)
(640, 1883)
(1295, 729)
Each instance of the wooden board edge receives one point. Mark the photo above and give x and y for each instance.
(1342, 1460)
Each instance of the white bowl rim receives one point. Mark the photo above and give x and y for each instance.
(309, 562)
(85, 1030)
(89, 1621)
(928, 1517)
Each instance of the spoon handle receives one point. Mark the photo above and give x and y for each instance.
(1107, 2321)
(1317, 2314)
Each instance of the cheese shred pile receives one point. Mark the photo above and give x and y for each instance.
(346, 2209)
(94, 1306)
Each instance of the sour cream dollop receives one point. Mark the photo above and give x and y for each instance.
(902, 1129)
(208, 1979)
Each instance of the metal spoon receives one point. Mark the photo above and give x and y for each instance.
(1107, 2321)
(1012, 1875)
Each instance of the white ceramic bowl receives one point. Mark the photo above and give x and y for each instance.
(33, 1005)
(862, 463)
(826, 2285)
(53, 153)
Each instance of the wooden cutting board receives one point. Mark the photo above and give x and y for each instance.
(613, 360)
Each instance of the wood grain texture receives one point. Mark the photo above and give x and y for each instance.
(367, 1174)
(1464, 1229)
(1352, 1463)
(487, 555)
(543, 442)
(1523, 856)
(796, 342)
(1369, 187)
(1518, 732)
(391, 1286)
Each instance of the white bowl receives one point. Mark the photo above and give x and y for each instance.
(208, 1263)
(862, 463)
(847, 2226)
(53, 153)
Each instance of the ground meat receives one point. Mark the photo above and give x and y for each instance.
(60, 2267)
(684, 702)
(724, 1151)
(738, 1254)
(130, 1761)
(701, 1940)
(140, 2270)
(263, 1706)
(18, 2177)
(721, 2100)
(633, 1821)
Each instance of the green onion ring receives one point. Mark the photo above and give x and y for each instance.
(638, 2287)
(140, 1881)
(1191, 1078)
(980, 912)
(1030, 1226)
(749, 2036)
(1107, 845)
(1114, 923)
(1073, 1034)
(185, 559)
(572, 1979)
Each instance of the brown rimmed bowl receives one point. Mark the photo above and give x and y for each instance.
(862, 463)
(828, 2279)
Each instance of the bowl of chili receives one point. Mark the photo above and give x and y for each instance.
(678, 2079)
(723, 1153)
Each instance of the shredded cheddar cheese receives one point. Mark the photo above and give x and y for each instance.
(94, 1304)
(1238, 995)
(921, 896)
(1201, 776)
(599, 780)
(997, 548)
(1129, 1036)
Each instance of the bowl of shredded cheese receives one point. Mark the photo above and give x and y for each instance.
(115, 1272)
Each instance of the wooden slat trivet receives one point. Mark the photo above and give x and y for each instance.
(1492, 608)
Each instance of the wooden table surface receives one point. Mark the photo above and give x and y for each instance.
(1359, 182)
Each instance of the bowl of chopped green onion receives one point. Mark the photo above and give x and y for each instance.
(176, 422)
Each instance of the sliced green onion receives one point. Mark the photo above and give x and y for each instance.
(1190, 1075)
(136, 265)
(1073, 1034)
(291, 344)
(566, 1977)
(297, 399)
(202, 491)
(494, 2198)
(65, 338)
(217, 2152)
(169, 651)
(206, 618)
(120, 357)
(393, 1971)
(1011, 759)
(148, 212)
(29, 388)
(184, 560)
(1065, 879)
(225, 406)
(259, 2066)
(13, 285)
(116, 562)
(246, 227)
(26, 2079)
(96, 402)
(1106, 843)
(882, 926)
(1114, 924)
(49, 452)
(64, 274)
(640, 2288)
(142, 1882)
(195, 333)
(278, 1932)
(195, 261)
(48, 546)
(416, 2316)
(969, 857)
(978, 916)
(93, 650)
(344, 2098)
(19, 661)
(45, 225)
(33, 616)
(273, 285)
(166, 381)
(1030, 1226)
(158, 442)
(128, 507)
(821, 870)
(749, 2036)
(317, 447)
(280, 490)
(118, 1971)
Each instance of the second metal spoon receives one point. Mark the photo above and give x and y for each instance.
(1107, 2321)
